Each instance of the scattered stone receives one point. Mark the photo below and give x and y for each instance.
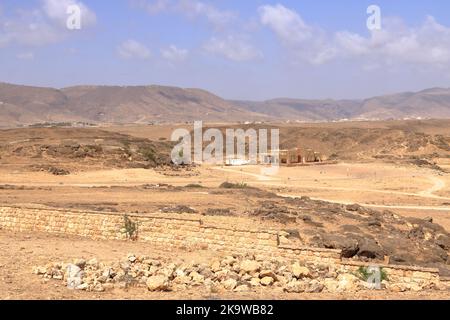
(250, 266)
(232, 273)
(158, 283)
(299, 271)
(267, 281)
(229, 284)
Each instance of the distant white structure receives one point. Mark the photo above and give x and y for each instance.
(236, 162)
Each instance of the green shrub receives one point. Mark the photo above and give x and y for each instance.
(364, 274)
(130, 228)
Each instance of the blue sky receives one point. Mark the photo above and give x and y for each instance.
(236, 49)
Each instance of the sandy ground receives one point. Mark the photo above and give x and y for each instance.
(18, 282)
(408, 190)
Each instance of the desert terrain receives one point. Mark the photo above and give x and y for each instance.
(386, 193)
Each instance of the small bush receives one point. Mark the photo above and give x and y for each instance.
(365, 274)
(130, 228)
(194, 185)
(229, 185)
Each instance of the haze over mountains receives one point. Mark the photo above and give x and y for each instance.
(24, 105)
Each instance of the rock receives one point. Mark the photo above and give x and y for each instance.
(158, 283)
(295, 286)
(250, 266)
(348, 283)
(58, 277)
(443, 241)
(370, 249)
(80, 263)
(267, 281)
(92, 262)
(83, 286)
(229, 284)
(221, 275)
(267, 273)
(331, 285)
(182, 279)
(242, 288)
(228, 260)
(99, 288)
(348, 246)
(299, 271)
(374, 223)
(40, 270)
(196, 277)
(314, 287)
(132, 258)
(254, 282)
(215, 266)
(353, 207)
(179, 273)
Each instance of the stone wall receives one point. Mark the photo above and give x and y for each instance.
(192, 231)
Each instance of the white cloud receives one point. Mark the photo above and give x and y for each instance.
(287, 24)
(192, 9)
(43, 25)
(195, 8)
(305, 42)
(25, 56)
(395, 43)
(132, 49)
(152, 7)
(232, 48)
(56, 10)
(427, 44)
(174, 54)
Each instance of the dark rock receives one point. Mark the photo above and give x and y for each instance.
(369, 248)
(353, 207)
(374, 223)
(348, 246)
(443, 241)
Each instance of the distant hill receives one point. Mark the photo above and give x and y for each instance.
(25, 105)
(430, 103)
(99, 104)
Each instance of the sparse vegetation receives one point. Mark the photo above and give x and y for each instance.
(364, 274)
(230, 185)
(194, 185)
(130, 228)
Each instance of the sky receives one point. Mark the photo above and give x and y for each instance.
(252, 49)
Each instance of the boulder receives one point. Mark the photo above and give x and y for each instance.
(229, 284)
(250, 266)
(242, 288)
(295, 286)
(267, 273)
(369, 248)
(254, 282)
(349, 246)
(299, 271)
(267, 281)
(157, 283)
(348, 283)
(314, 286)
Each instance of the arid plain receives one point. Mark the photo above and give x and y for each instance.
(395, 168)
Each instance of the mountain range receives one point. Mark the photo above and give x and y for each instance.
(25, 105)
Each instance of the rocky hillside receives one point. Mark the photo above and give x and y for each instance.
(431, 103)
(25, 105)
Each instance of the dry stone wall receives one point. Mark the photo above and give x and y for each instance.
(192, 232)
